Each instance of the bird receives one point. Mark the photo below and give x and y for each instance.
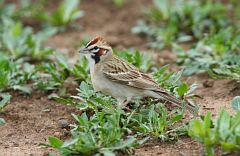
(123, 81)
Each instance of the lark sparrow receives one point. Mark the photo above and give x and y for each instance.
(119, 79)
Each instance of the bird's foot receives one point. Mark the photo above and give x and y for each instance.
(126, 109)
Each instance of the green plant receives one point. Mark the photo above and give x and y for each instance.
(15, 74)
(23, 60)
(87, 98)
(236, 103)
(182, 20)
(6, 10)
(52, 76)
(66, 13)
(156, 121)
(5, 98)
(218, 54)
(2, 121)
(81, 69)
(19, 41)
(172, 82)
(100, 133)
(228, 68)
(225, 132)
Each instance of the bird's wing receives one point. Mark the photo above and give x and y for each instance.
(125, 73)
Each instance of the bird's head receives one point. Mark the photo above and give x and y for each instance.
(97, 50)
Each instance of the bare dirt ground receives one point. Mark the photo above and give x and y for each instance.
(31, 119)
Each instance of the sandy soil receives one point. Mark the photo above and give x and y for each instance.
(31, 119)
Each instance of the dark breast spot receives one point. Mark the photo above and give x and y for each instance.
(97, 55)
(96, 58)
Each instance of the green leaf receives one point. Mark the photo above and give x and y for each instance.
(207, 124)
(25, 89)
(196, 130)
(55, 142)
(69, 143)
(2, 121)
(176, 118)
(236, 103)
(62, 61)
(5, 99)
(123, 144)
(70, 9)
(86, 89)
(182, 89)
(228, 146)
(223, 124)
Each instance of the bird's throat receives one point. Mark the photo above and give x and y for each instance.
(96, 58)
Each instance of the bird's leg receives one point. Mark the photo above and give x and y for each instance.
(122, 103)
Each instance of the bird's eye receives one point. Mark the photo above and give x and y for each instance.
(95, 48)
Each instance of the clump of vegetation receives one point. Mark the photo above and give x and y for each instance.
(182, 20)
(19, 41)
(52, 76)
(217, 54)
(157, 122)
(224, 132)
(26, 64)
(66, 13)
(101, 133)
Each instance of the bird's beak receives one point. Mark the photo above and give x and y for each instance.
(83, 50)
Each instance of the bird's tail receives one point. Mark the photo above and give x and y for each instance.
(179, 103)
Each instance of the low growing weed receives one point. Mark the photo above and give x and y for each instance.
(182, 20)
(223, 133)
(52, 76)
(100, 133)
(65, 14)
(217, 54)
(19, 41)
(172, 82)
(15, 75)
(157, 122)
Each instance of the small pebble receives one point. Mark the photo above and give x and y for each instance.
(208, 83)
(63, 123)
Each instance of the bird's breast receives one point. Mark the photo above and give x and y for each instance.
(100, 83)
